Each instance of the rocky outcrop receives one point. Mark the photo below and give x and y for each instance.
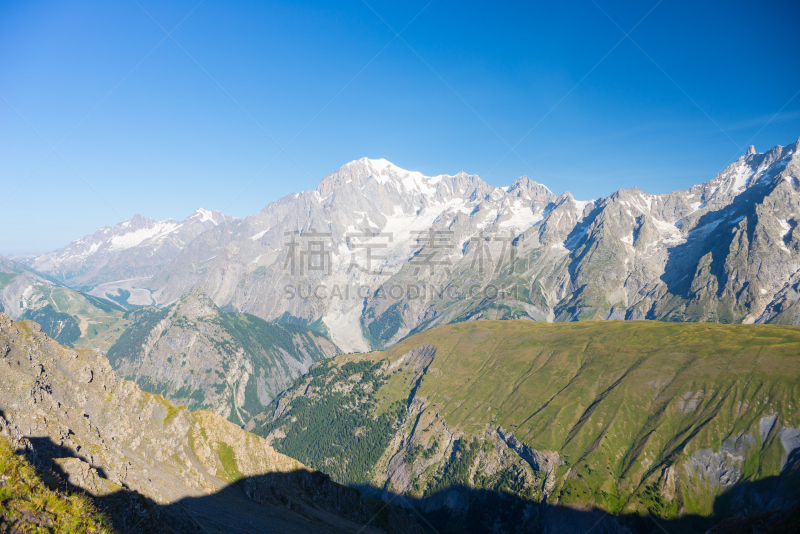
(790, 439)
(545, 462)
(74, 418)
(721, 469)
(418, 358)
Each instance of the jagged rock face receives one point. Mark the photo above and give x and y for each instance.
(70, 412)
(252, 273)
(726, 251)
(197, 355)
(75, 399)
(523, 426)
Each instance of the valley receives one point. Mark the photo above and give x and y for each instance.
(69, 316)
(197, 355)
(148, 465)
(399, 267)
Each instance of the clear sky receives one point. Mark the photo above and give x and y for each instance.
(245, 102)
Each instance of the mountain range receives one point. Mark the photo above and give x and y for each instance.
(130, 251)
(376, 252)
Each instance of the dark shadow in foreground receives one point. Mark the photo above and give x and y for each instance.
(461, 509)
(309, 501)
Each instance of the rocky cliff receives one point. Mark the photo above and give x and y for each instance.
(155, 467)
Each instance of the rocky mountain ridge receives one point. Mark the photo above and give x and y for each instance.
(156, 467)
(371, 251)
(121, 257)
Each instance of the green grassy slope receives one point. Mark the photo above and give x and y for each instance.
(28, 505)
(625, 405)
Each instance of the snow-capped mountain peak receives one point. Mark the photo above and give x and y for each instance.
(203, 215)
(730, 241)
(144, 245)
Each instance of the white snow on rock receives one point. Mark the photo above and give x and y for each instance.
(670, 233)
(132, 239)
(204, 216)
(523, 217)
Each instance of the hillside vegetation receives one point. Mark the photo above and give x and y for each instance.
(197, 355)
(634, 418)
(28, 505)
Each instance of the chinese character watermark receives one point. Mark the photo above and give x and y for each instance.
(367, 240)
(316, 256)
(436, 245)
(310, 250)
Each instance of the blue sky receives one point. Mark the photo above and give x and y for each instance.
(158, 125)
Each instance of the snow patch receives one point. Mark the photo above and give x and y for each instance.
(131, 239)
(259, 235)
(580, 205)
(385, 172)
(560, 247)
(785, 229)
(740, 178)
(522, 216)
(205, 215)
(670, 233)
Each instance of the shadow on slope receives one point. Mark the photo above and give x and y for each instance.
(712, 234)
(309, 501)
(751, 507)
(299, 501)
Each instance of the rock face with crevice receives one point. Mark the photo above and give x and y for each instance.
(81, 424)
